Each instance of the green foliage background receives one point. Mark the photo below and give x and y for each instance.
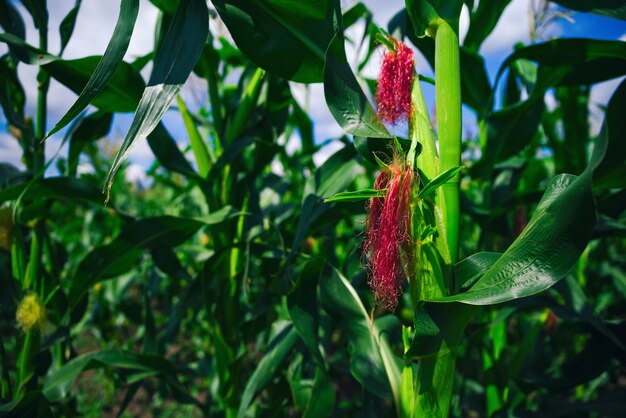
(224, 289)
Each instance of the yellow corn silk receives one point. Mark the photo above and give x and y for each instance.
(6, 228)
(31, 313)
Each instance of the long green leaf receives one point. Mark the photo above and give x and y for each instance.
(66, 28)
(167, 153)
(12, 95)
(439, 181)
(556, 235)
(280, 347)
(611, 173)
(287, 38)
(178, 54)
(120, 255)
(25, 52)
(550, 244)
(611, 8)
(112, 57)
(345, 98)
(199, 148)
(483, 21)
(356, 196)
(120, 94)
(304, 309)
(545, 251)
(575, 61)
(468, 270)
(372, 362)
(425, 13)
(59, 383)
(53, 188)
(84, 131)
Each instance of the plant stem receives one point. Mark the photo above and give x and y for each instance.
(202, 153)
(435, 381)
(421, 130)
(43, 83)
(448, 97)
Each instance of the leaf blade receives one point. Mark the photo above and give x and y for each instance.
(113, 55)
(178, 54)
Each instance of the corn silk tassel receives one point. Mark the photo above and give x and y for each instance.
(388, 224)
(393, 94)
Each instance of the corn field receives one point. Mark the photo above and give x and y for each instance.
(456, 248)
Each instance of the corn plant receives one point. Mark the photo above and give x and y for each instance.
(422, 276)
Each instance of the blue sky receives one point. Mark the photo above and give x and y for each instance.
(97, 18)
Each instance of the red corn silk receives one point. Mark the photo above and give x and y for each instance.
(387, 229)
(393, 94)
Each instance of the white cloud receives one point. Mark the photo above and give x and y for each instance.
(599, 97)
(85, 168)
(311, 99)
(277, 168)
(383, 11)
(464, 22)
(94, 27)
(512, 27)
(324, 154)
(136, 174)
(10, 150)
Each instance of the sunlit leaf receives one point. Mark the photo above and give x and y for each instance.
(179, 51)
(108, 64)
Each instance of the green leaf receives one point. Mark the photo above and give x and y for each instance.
(53, 188)
(356, 196)
(345, 98)
(336, 174)
(277, 351)
(287, 37)
(84, 131)
(611, 173)
(12, 95)
(574, 61)
(468, 270)
(509, 130)
(475, 85)
(120, 255)
(322, 397)
(11, 20)
(303, 307)
(372, 362)
(39, 13)
(439, 181)
(120, 94)
(26, 53)
(168, 6)
(380, 150)
(200, 150)
(178, 54)
(545, 251)
(167, 153)
(66, 28)
(437, 326)
(425, 13)
(31, 404)
(57, 386)
(611, 8)
(107, 65)
(552, 241)
(483, 21)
